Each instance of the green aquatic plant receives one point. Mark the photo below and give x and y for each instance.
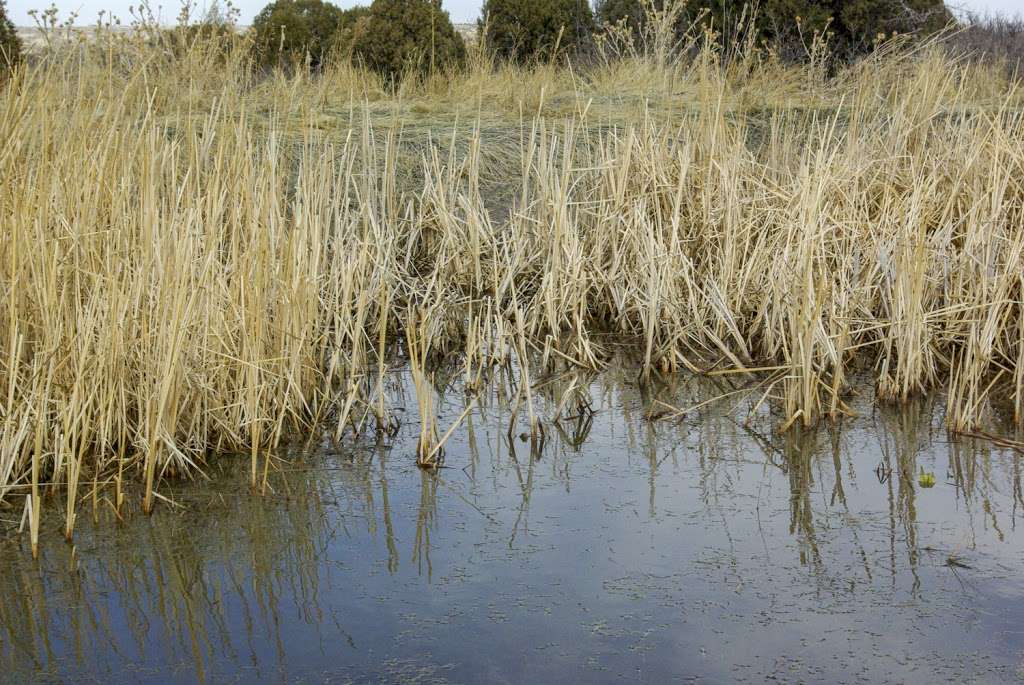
(926, 479)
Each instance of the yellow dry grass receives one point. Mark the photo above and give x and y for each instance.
(197, 260)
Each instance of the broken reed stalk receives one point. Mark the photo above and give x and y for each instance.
(432, 459)
(417, 346)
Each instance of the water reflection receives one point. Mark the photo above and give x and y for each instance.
(638, 541)
(156, 593)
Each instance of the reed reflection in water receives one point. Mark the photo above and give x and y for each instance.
(625, 544)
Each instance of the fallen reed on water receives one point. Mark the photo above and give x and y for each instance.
(196, 260)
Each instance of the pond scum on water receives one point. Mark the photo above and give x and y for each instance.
(196, 260)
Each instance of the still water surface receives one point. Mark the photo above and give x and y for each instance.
(703, 549)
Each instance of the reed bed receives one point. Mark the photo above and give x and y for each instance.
(193, 262)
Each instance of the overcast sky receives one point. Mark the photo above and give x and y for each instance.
(461, 11)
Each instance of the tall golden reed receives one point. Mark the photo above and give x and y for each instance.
(195, 260)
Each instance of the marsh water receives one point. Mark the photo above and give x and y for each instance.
(633, 544)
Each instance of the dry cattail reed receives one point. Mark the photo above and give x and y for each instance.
(197, 261)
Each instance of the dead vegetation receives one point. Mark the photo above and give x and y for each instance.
(196, 262)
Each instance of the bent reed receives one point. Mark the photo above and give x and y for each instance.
(196, 260)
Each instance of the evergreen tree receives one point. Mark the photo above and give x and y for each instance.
(853, 26)
(287, 30)
(530, 29)
(10, 43)
(400, 35)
